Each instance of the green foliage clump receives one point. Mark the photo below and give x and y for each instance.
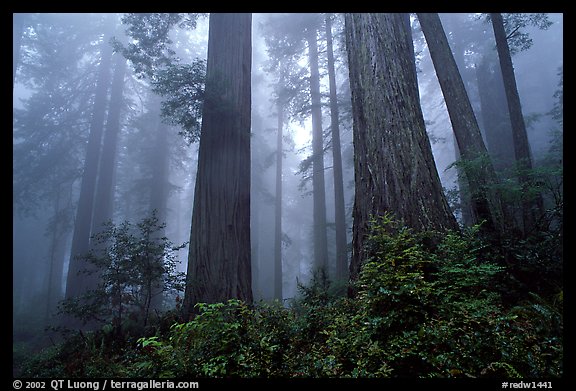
(224, 339)
(427, 305)
(135, 264)
(151, 52)
(90, 354)
(438, 309)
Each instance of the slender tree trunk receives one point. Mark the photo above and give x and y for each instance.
(53, 268)
(497, 130)
(219, 256)
(320, 240)
(278, 210)
(531, 207)
(104, 199)
(159, 193)
(78, 284)
(486, 202)
(393, 162)
(340, 208)
(495, 120)
(255, 251)
(160, 171)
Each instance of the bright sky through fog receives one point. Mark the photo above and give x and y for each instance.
(302, 134)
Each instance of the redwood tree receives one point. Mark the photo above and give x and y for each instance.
(393, 161)
(531, 207)
(278, 207)
(340, 210)
(486, 203)
(219, 256)
(318, 183)
(104, 197)
(77, 284)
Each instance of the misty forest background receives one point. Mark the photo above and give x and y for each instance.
(288, 195)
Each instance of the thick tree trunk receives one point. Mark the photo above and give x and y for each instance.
(219, 256)
(393, 161)
(531, 208)
(486, 203)
(340, 210)
(76, 283)
(278, 210)
(320, 240)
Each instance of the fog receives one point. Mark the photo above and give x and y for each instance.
(58, 64)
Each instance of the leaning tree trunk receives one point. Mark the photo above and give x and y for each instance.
(320, 240)
(531, 207)
(481, 177)
(393, 162)
(459, 47)
(219, 256)
(340, 209)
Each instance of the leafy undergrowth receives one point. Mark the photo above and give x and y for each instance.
(426, 305)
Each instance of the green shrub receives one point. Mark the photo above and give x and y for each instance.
(427, 305)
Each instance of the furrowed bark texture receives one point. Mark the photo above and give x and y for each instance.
(394, 167)
(219, 256)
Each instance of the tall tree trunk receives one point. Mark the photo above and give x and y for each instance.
(495, 120)
(531, 207)
(497, 131)
(160, 168)
(76, 283)
(255, 251)
(319, 195)
(54, 275)
(104, 199)
(393, 162)
(459, 48)
(278, 210)
(256, 209)
(481, 177)
(340, 209)
(219, 256)
(159, 193)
